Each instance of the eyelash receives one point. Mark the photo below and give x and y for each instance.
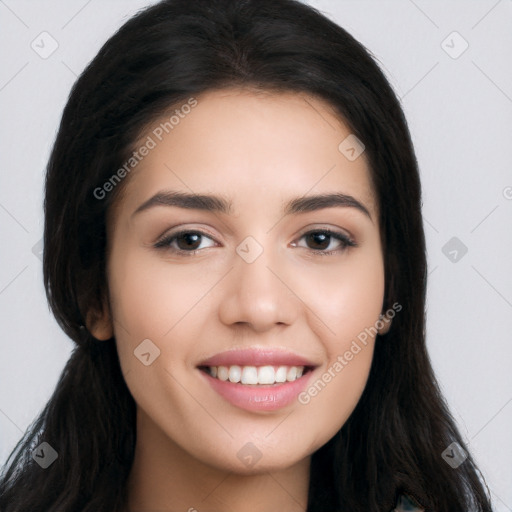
(164, 243)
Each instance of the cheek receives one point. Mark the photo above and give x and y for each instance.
(343, 312)
(346, 297)
(151, 298)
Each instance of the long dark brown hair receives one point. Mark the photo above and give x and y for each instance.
(166, 54)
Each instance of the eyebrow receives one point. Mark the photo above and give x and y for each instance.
(213, 203)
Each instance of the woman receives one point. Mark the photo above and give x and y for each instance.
(280, 364)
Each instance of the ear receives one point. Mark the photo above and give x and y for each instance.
(99, 323)
(384, 329)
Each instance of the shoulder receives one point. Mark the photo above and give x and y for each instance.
(406, 503)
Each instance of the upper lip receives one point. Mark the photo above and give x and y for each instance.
(257, 357)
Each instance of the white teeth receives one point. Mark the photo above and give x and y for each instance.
(281, 374)
(266, 375)
(253, 375)
(291, 375)
(235, 373)
(222, 372)
(249, 375)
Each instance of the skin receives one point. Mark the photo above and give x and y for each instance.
(259, 151)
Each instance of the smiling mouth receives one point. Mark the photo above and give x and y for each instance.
(256, 376)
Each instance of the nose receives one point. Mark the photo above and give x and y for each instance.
(258, 294)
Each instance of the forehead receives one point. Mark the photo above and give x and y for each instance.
(243, 144)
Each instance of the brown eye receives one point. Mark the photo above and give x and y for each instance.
(319, 241)
(188, 241)
(183, 242)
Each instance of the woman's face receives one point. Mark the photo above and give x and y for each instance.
(255, 290)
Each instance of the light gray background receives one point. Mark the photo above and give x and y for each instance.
(460, 115)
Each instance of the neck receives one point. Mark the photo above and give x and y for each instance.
(165, 477)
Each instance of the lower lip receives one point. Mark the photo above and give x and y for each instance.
(258, 398)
